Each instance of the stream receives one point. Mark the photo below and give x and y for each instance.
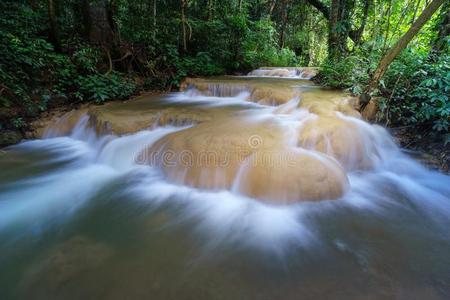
(258, 187)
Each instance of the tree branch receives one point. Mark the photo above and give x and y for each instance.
(320, 7)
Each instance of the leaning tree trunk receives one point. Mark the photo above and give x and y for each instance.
(404, 41)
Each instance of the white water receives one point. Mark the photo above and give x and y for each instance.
(225, 217)
(297, 73)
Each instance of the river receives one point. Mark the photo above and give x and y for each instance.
(235, 188)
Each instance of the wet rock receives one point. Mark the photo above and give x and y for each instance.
(58, 122)
(339, 139)
(9, 137)
(304, 73)
(370, 111)
(210, 154)
(248, 157)
(271, 92)
(291, 175)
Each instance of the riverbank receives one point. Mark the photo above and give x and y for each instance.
(426, 149)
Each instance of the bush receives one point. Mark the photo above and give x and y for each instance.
(418, 86)
(100, 88)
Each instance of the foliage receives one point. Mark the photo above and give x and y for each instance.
(418, 87)
(261, 48)
(350, 73)
(414, 90)
(32, 73)
(221, 37)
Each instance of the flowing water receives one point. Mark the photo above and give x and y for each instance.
(299, 199)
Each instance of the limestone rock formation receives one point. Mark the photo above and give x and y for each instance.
(292, 175)
(249, 157)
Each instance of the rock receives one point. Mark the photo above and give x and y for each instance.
(65, 262)
(272, 92)
(209, 155)
(9, 137)
(304, 73)
(248, 157)
(58, 122)
(120, 118)
(291, 175)
(61, 125)
(370, 111)
(340, 139)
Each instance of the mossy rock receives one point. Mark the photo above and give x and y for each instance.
(10, 137)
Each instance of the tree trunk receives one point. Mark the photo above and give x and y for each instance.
(54, 28)
(339, 28)
(271, 8)
(389, 13)
(154, 20)
(99, 27)
(404, 41)
(183, 23)
(343, 19)
(210, 9)
(356, 34)
(284, 16)
(33, 5)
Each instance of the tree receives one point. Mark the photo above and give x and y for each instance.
(54, 28)
(339, 27)
(271, 8)
(284, 19)
(401, 44)
(440, 45)
(339, 24)
(183, 23)
(99, 26)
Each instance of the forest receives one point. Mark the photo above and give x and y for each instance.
(66, 52)
(225, 149)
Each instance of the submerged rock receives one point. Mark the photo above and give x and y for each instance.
(63, 266)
